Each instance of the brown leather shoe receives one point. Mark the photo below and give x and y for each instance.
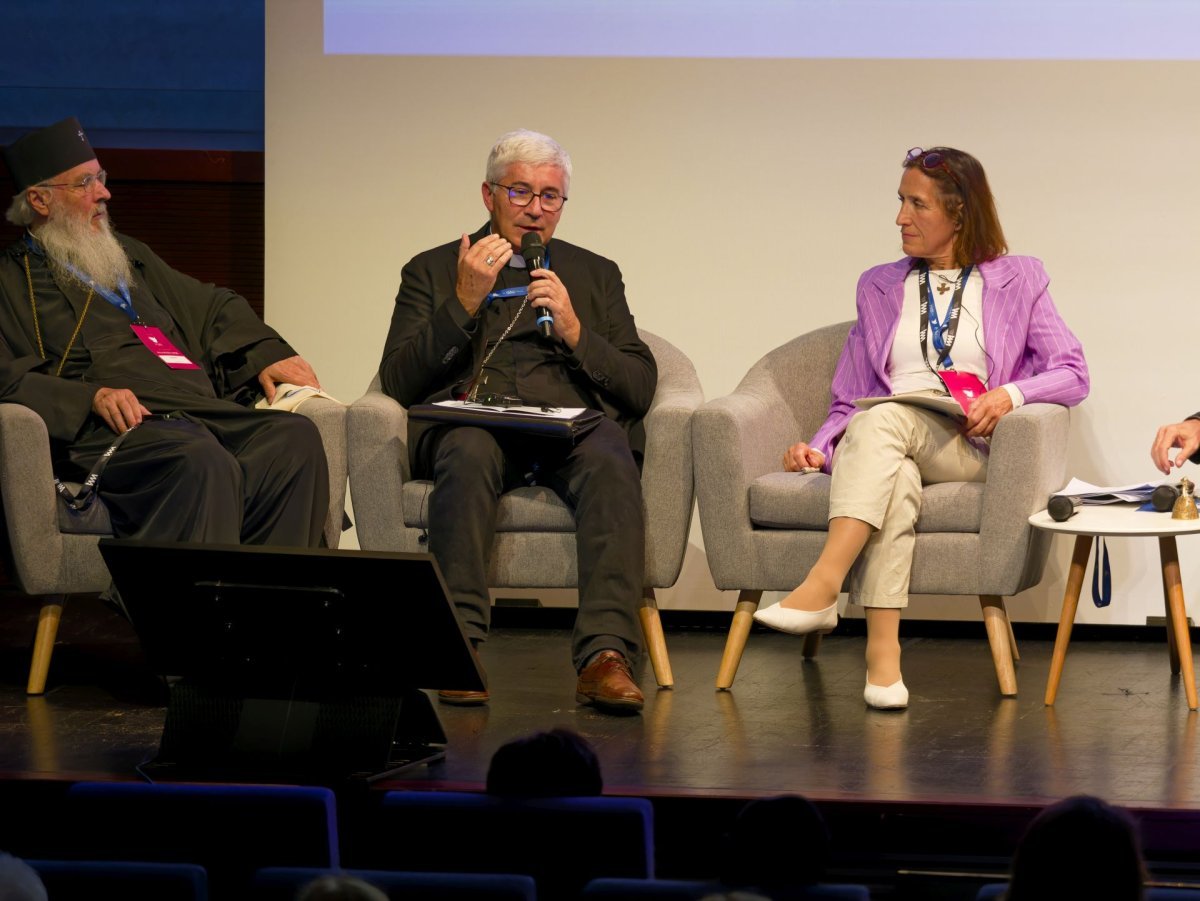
(458, 698)
(463, 698)
(607, 682)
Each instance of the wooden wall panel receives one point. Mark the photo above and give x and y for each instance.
(201, 211)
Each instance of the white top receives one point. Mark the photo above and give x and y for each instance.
(1116, 519)
(906, 362)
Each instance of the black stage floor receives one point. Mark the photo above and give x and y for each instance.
(1120, 730)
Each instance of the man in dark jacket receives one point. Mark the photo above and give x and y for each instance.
(465, 324)
(103, 339)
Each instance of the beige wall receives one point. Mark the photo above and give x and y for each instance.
(742, 198)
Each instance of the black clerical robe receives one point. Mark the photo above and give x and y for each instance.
(433, 351)
(216, 329)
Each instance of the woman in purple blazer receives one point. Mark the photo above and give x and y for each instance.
(954, 317)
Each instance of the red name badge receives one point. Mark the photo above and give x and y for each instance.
(963, 387)
(159, 345)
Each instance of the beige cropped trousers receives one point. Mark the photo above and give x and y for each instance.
(885, 457)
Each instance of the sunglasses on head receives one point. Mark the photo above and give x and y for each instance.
(929, 160)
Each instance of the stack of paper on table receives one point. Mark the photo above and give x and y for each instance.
(1088, 493)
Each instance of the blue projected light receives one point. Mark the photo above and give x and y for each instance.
(804, 29)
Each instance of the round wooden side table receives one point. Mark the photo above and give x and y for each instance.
(1124, 520)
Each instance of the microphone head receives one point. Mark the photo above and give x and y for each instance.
(532, 247)
(1164, 497)
(1062, 507)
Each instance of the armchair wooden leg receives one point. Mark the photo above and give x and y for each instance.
(43, 643)
(1172, 647)
(739, 631)
(999, 630)
(1066, 619)
(656, 642)
(1177, 616)
(1012, 639)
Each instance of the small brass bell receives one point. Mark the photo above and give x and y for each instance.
(1185, 506)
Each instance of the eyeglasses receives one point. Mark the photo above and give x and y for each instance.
(88, 183)
(520, 195)
(929, 160)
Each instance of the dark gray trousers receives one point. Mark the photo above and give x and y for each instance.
(597, 477)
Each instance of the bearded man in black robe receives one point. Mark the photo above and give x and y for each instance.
(101, 338)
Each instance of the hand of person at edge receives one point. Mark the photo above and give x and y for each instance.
(800, 456)
(1183, 435)
(986, 411)
(119, 408)
(293, 370)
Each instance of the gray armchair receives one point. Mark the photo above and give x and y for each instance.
(535, 531)
(51, 564)
(764, 528)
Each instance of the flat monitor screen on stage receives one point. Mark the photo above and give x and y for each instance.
(274, 619)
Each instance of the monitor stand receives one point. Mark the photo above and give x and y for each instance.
(214, 732)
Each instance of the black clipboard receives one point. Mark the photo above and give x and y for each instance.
(508, 420)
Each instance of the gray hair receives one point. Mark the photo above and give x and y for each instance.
(20, 212)
(529, 147)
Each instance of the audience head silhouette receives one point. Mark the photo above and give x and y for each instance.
(340, 887)
(19, 881)
(553, 764)
(1078, 848)
(777, 843)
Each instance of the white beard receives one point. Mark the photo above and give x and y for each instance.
(70, 241)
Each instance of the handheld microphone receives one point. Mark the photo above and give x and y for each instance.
(534, 253)
(1164, 497)
(1062, 507)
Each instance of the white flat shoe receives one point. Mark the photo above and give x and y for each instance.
(886, 697)
(797, 622)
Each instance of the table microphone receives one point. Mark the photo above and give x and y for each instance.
(1062, 506)
(1164, 497)
(534, 252)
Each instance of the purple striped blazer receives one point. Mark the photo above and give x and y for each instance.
(1027, 341)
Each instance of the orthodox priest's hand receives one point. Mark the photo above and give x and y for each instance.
(119, 408)
(293, 370)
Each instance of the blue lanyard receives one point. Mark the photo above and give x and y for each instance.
(944, 331)
(938, 329)
(119, 298)
(505, 293)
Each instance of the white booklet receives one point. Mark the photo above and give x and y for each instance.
(939, 403)
(289, 397)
